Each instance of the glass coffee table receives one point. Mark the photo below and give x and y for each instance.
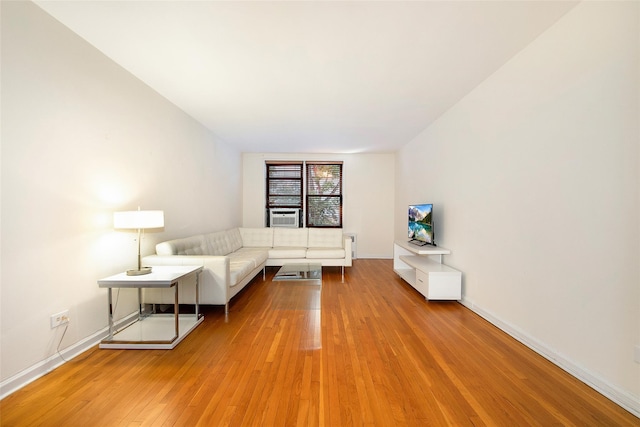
(307, 272)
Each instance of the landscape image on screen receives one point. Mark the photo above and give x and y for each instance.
(420, 223)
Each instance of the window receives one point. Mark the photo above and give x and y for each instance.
(323, 190)
(324, 194)
(284, 185)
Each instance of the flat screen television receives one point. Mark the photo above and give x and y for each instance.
(421, 224)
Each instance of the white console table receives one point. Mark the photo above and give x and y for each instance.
(432, 279)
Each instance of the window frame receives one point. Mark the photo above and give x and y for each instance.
(288, 172)
(318, 192)
(307, 185)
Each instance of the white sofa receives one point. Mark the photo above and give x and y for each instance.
(232, 258)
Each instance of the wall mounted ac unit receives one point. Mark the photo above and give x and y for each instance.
(283, 217)
(354, 244)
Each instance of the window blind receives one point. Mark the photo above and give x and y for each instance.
(284, 184)
(324, 194)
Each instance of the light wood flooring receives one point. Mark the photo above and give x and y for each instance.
(367, 352)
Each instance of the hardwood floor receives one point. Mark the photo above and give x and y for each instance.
(370, 351)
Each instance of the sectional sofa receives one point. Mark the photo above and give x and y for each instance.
(232, 258)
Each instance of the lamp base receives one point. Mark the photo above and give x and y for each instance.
(140, 272)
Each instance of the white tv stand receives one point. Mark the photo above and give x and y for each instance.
(432, 279)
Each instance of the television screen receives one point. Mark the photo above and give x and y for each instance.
(421, 224)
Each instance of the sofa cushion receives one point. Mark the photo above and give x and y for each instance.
(325, 238)
(239, 269)
(257, 255)
(235, 239)
(287, 252)
(195, 245)
(290, 237)
(257, 237)
(223, 242)
(317, 253)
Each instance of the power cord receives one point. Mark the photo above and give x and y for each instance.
(61, 338)
(66, 320)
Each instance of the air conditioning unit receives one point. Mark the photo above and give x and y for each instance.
(354, 244)
(282, 217)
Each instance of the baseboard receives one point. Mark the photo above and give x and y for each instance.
(620, 397)
(27, 376)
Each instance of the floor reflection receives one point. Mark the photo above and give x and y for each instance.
(302, 298)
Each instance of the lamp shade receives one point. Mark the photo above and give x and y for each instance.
(138, 219)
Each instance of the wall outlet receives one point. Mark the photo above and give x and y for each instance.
(59, 319)
(636, 354)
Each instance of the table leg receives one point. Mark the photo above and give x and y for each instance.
(110, 313)
(197, 296)
(176, 313)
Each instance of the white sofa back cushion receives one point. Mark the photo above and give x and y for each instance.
(235, 239)
(195, 245)
(325, 238)
(223, 242)
(257, 237)
(290, 237)
(217, 243)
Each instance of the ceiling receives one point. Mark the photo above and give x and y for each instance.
(311, 76)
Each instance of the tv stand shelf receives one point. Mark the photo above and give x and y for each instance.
(434, 280)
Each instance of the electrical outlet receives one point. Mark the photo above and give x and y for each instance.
(59, 319)
(636, 355)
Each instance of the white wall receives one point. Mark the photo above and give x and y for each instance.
(367, 203)
(82, 138)
(535, 180)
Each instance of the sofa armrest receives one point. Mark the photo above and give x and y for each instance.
(347, 251)
(151, 260)
(215, 279)
(218, 264)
